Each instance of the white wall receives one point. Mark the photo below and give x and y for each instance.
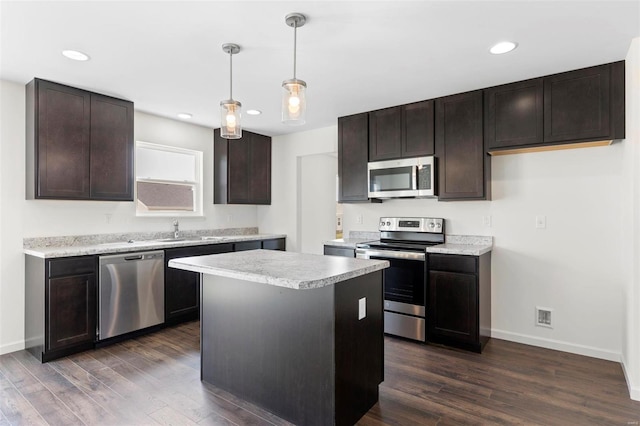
(317, 199)
(631, 223)
(20, 218)
(282, 216)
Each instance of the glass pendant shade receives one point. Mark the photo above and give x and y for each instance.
(230, 116)
(294, 102)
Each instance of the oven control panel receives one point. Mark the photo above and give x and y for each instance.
(412, 224)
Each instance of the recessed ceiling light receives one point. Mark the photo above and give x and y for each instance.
(75, 55)
(254, 112)
(184, 115)
(503, 47)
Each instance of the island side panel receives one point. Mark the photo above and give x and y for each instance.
(359, 346)
(270, 345)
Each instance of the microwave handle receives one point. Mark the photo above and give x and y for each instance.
(414, 177)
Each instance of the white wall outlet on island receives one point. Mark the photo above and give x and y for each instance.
(541, 222)
(362, 308)
(486, 221)
(359, 219)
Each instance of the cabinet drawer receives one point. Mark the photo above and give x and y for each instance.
(275, 244)
(339, 251)
(453, 263)
(248, 245)
(198, 250)
(72, 266)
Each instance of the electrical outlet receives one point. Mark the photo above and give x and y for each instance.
(107, 217)
(229, 218)
(541, 222)
(543, 317)
(359, 219)
(486, 221)
(362, 308)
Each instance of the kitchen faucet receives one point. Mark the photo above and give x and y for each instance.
(175, 228)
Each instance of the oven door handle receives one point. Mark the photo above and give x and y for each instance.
(390, 254)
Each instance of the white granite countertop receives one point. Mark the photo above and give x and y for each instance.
(469, 245)
(124, 246)
(284, 269)
(464, 249)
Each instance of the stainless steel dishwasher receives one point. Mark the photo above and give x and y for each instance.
(130, 292)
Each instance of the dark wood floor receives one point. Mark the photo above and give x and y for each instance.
(154, 379)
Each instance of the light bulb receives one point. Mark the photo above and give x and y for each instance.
(231, 123)
(294, 105)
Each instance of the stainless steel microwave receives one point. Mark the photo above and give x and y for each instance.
(409, 177)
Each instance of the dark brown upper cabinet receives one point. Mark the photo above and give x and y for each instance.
(585, 105)
(401, 132)
(418, 135)
(353, 137)
(513, 114)
(385, 134)
(242, 169)
(463, 167)
(79, 144)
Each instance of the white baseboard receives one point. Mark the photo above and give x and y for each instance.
(12, 347)
(556, 345)
(634, 388)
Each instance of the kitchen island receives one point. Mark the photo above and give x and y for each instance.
(300, 335)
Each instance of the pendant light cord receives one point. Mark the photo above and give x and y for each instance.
(295, 32)
(230, 74)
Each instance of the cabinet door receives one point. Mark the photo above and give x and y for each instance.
(70, 311)
(353, 143)
(182, 288)
(61, 141)
(111, 148)
(577, 105)
(453, 306)
(513, 114)
(459, 148)
(259, 170)
(385, 134)
(418, 131)
(238, 167)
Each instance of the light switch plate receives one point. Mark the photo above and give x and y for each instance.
(362, 308)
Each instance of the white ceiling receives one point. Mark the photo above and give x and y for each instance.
(354, 55)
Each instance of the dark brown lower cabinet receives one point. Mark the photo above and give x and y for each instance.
(182, 288)
(60, 306)
(339, 251)
(459, 300)
(272, 244)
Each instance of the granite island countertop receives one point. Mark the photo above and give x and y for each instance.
(284, 269)
(47, 252)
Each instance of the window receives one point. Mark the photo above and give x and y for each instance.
(168, 181)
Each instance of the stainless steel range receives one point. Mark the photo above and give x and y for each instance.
(403, 242)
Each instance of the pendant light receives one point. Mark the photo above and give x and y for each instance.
(294, 103)
(230, 110)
